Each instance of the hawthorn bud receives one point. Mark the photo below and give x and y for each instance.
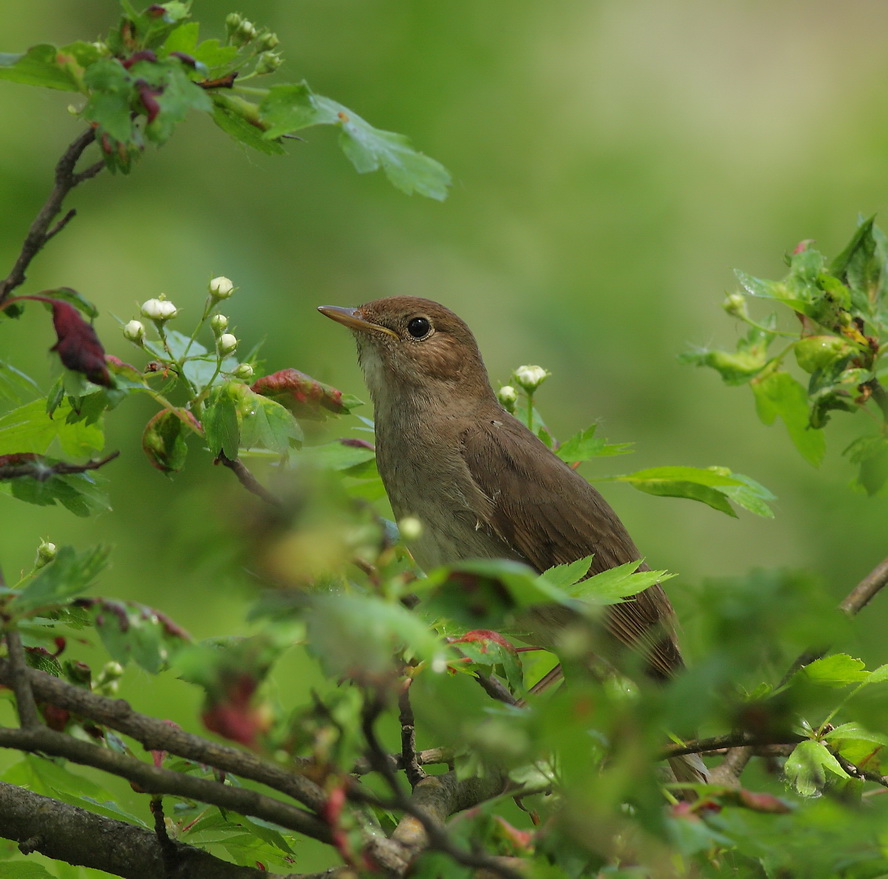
(134, 331)
(269, 40)
(530, 377)
(268, 62)
(508, 397)
(226, 344)
(159, 309)
(243, 370)
(735, 304)
(46, 552)
(219, 324)
(221, 287)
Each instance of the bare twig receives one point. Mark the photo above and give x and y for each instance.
(158, 735)
(153, 779)
(412, 768)
(40, 232)
(731, 740)
(71, 834)
(247, 480)
(21, 685)
(861, 594)
(37, 467)
(427, 757)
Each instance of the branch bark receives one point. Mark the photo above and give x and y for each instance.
(66, 178)
(71, 834)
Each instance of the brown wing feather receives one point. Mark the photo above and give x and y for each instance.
(550, 515)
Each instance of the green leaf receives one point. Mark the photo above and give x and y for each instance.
(777, 393)
(341, 454)
(15, 386)
(25, 870)
(809, 766)
(861, 746)
(585, 445)
(293, 107)
(615, 584)
(861, 265)
(132, 632)
(30, 429)
(871, 454)
(175, 94)
(837, 670)
(237, 126)
(777, 290)
(81, 493)
(714, 486)
(69, 574)
(361, 635)
(40, 66)
(163, 441)
(111, 94)
(565, 576)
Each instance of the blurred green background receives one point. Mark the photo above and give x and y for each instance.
(612, 163)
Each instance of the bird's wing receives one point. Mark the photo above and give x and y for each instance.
(550, 515)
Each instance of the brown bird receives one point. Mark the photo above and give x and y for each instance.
(480, 482)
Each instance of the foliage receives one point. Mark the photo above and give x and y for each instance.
(401, 760)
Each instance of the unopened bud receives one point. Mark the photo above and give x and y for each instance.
(46, 552)
(159, 309)
(268, 62)
(226, 344)
(530, 377)
(269, 40)
(134, 331)
(243, 370)
(735, 304)
(410, 528)
(221, 287)
(508, 397)
(219, 323)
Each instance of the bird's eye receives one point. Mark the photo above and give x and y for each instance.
(419, 327)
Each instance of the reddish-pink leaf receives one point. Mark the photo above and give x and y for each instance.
(303, 395)
(77, 344)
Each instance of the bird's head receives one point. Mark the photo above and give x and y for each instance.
(409, 345)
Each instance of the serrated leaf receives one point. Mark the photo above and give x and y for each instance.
(836, 670)
(341, 454)
(81, 493)
(293, 107)
(810, 766)
(69, 574)
(163, 441)
(132, 632)
(585, 445)
(615, 584)
(221, 423)
(714, 486)
(30, 429)
(238, 128)
(564, 576)
(870, 453)
(777, 393)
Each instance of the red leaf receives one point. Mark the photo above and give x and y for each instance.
(77, 344)
(303, 395)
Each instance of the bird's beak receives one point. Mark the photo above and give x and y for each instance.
(350, 318)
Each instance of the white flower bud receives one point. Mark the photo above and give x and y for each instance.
(410, 528)
(226, 344)
(134, 331)
(219, 323)
(508, 397)
(735, 304)
(243, 370)
(46, 552)
(159, 309)
(530, 377)
(221, 287)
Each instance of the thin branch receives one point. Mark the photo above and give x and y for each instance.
(77, 836)
(412, 768)
(861, 594)
(65, 180)
(427, 757)
(21, 686)
(158, 735)
(153, 779)
(731, 740)
(247, 480)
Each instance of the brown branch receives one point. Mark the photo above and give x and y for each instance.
(427, 757)
(412, 768)
(37, 467)
(158, 735)
(21, 686)
(861, 594)
(731, 740)
(77, 836)
(40, 232)
(153, 779)
(247, 480)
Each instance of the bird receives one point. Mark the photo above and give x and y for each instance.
(481, 483)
